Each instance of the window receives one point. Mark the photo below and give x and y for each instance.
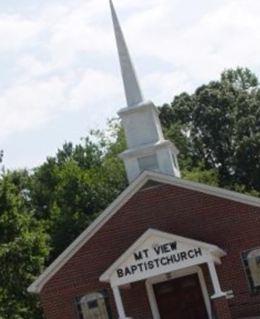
(174, 159)
(149, 163)
(94, 306)
(251, 259)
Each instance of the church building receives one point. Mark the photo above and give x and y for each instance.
(166, 248)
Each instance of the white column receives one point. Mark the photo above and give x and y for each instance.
(215, 281)
(119, 303)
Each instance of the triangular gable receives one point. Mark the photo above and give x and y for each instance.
(157, 252)
(132, 189)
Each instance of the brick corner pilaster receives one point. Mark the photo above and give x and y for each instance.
(221, 308)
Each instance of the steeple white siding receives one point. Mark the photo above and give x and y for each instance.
(147, 148)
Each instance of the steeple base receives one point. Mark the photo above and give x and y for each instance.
(158, 157)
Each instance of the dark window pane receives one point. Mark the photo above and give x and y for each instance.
(92, 304)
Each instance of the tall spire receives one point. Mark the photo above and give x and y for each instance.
(146, 147)
(132, 89)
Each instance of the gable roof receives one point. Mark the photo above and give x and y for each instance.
(133, 188)
(213, 249)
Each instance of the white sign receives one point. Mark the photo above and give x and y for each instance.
(156, 253)
(155, 256)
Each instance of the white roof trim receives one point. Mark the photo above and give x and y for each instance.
(213, 249)
(39, 283)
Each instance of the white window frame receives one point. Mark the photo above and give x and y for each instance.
(100, 294)
(254, 290)
(166, 277)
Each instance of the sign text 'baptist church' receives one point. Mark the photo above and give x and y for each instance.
(156, 257)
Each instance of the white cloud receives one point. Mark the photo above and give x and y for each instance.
(62, 57)
(28, 105)
(35, 102)
(225, 37)
(94, 88)
(165, 85)
(16, 32)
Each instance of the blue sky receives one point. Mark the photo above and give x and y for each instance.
(59, 68)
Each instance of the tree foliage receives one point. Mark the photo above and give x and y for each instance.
(59, 198)
(70, 189)
(23, 249)
(218, 128)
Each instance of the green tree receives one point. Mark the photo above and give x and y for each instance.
(23, 248)
(70, 189)
(218, 128)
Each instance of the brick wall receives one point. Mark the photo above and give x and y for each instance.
(221, 308)
(232, 226)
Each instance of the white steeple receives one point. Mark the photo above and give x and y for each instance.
(147, 148)
(132, 88)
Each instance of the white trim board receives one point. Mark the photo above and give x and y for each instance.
(133, 188)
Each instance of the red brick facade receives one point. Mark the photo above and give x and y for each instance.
(221, 308)
(232, 226)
